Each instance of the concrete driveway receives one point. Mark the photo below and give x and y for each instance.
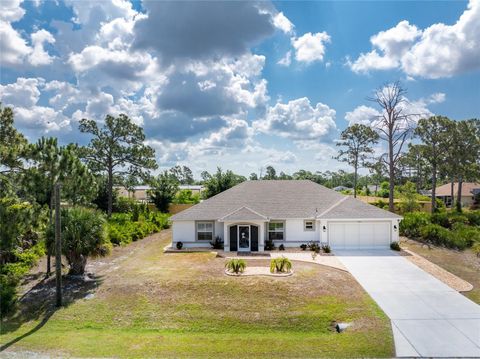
(429, 319)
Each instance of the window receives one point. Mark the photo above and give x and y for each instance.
(309, 225)
(276, 231)
(204, 231)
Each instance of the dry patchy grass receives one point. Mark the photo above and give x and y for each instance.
(464, 264)
(151, 304)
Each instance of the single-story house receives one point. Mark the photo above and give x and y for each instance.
(444, 192)
(140, 193)
(287, 212)
(342, 188)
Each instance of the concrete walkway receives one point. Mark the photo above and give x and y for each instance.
(429, 318)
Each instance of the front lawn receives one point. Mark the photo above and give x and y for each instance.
(464, 264)
(150, 304)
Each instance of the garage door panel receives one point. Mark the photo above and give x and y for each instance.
(351, 235)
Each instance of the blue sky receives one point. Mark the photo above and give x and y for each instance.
(240, 85)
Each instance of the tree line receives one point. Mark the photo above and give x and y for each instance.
(438, 148)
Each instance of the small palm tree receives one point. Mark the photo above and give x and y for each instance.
(83, 235)
(280, 265)
(236, 266)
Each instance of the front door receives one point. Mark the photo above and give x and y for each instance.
(244, 238)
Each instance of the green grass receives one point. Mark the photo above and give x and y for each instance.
(182, 305)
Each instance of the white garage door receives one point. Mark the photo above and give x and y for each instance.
(359, 234)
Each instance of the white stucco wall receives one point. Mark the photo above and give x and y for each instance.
(219, 230)
(184, 231)
(296, 235)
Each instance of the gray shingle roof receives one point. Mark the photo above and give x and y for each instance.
(354, 208)
(280, 200)
(244, 214)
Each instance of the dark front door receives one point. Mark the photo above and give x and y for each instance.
(244, 238)
(233, 238)
(254, 240)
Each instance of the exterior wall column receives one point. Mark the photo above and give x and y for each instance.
(226, 237)
(323, 234)
(261, 237)
(395, 232)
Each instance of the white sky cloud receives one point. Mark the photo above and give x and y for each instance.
(310, 47)
(299, 121)
(286, 60)
(281, 22)
(437, 51)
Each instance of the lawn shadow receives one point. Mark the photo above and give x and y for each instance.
(39, 302)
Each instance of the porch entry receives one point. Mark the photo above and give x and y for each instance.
(244, 238)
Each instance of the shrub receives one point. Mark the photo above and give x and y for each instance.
(313, 246)
(281, 247)
(473, 218)
(117, 236)
(217, 243)
(458, 218)
(476, 249)
(160, 219)
(380, 204)
(436, 234)
(467, 234)
(395, 246)
(326, 248)
(412, 223)
(123, 230)
(236, 265)
(12, 273)
(83, 235)
(269, 245)
(179, 245)
(303, 246)
(441, 218)
(280, 265)
(124, 205)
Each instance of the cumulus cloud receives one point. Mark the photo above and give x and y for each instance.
(310, 47)
(176, 126)
(299, 121)
(281, 22)
(202, 30)
(217, 88)
(123, 70)
(39, 56)
(23, 93)
(10, 10)
(392, 43)
(418, 109)
(362, 115)
(438, 51)
(14, 49)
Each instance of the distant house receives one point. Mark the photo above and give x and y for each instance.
(287, 212)
(468, 193)
(342, 188)
(140, 193)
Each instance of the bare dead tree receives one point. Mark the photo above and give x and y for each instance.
(394, 125)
